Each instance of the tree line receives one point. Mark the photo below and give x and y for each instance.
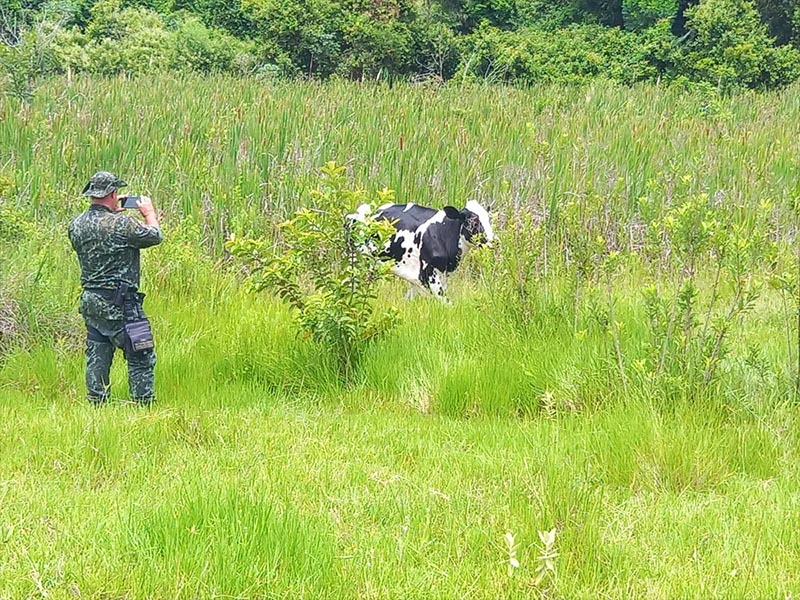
(726, 43)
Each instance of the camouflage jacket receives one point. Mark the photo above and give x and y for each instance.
(108, 244)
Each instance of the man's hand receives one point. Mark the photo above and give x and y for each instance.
(148, 210)
(145, 206)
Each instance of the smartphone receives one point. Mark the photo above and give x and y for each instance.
(130, 201)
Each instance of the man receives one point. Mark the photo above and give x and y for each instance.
(107, 242)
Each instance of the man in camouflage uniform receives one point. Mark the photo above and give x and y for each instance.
(107, 242)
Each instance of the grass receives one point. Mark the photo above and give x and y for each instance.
(273, 498)
(224, 151)
(258, 475)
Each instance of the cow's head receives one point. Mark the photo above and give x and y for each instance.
(477, 226)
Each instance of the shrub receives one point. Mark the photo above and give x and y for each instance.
(782, 18)
(641, 14)
(691, 331)
(233, 17)
(500, 13)
(160, 6)
(730, 47)
(374, 47)
(271, 61)
(199, 48)
(575, 54)
(783, 67)
(547, 14)
(324, 270)
(435, 49)
(661, 50)
(510, 41)
(137, 40)
(309, 32)
(70, 49)
(28, 54)
(129, 40)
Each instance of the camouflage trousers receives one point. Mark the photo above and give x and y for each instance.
(105, 325)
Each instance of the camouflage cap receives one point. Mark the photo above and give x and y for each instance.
(102, 184)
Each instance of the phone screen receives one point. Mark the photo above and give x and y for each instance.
(130, 202)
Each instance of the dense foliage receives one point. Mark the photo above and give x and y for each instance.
(728, 43)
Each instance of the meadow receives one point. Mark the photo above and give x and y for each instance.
(607, 409)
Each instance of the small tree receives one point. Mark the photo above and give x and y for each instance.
(325, 266)
(691, 331)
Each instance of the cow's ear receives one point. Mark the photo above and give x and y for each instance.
(453, 213)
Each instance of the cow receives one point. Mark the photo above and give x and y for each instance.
(428, 243)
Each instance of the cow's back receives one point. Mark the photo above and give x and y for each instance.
(406, 217)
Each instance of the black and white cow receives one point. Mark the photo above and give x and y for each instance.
(429, 243)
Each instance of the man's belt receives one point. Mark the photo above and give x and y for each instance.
(117, 296)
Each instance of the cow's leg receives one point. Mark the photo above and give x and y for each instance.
(438, 286)
(443, 277)
(434, 280)
(415, 285)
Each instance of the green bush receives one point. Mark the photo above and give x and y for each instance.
(129, 40)
(575, 54)
(160, 6)
(199, 48)
(662, 51)
(782, 18)
(796, 26)
(783, 66)
(730, 47)
(26, 56)
(547, 14)
(374, 47)
(324, 270)
(641, 14)
(500, 13)
(227, 15)
(309, 32)
(272, 61)
(435, 49)
(509, 41)
(70, 49)
(136, 40)
(382, 10)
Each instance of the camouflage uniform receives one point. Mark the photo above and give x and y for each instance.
(108, 244)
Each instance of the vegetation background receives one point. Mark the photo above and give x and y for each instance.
(728, 43)
(607, 409)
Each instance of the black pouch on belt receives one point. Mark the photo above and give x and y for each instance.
(140, 336)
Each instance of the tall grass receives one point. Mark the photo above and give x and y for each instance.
(226, 151)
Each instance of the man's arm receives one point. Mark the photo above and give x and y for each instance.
(148, 234)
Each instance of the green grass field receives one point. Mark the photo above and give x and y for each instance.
(521, 408)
